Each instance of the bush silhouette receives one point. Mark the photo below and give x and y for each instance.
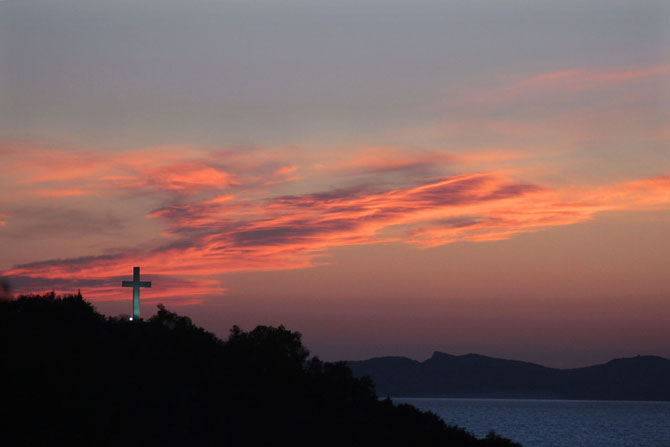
(73, 376)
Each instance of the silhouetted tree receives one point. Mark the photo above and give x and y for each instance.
(72, 376)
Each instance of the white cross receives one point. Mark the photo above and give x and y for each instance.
(136, 284)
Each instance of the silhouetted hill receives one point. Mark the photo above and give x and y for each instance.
(472, 375)
(70, 376)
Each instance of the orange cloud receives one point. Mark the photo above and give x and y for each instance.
(286, 170)
(61, 192)
(189, 176)
(287, 232)
(220, 218)
(44, 171)
(650, 193)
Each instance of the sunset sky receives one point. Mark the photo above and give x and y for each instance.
(387, 177)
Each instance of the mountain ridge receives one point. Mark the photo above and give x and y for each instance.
(642, 377)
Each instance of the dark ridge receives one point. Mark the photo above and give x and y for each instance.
(478, 376)
(71, 376)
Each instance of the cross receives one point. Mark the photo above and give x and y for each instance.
(136, 284)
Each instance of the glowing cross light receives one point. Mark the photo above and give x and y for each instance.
(136, 284)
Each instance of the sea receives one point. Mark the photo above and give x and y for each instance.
(557, 423)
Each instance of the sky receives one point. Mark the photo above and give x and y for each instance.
(386, 177)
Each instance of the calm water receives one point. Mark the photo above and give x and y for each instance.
(558, 423)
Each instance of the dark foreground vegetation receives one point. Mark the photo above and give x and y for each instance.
(71, 376)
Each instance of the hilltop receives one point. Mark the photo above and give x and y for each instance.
(73, 376)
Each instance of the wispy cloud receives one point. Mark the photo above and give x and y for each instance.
(164, 287)
(390, 159)
(204, 212)
(583, 77)
(575, 80)
(256, 230)
(61, 192)
(63, 221)
(43, 171)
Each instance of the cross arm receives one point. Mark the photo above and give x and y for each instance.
(127, 284)
(145, 284)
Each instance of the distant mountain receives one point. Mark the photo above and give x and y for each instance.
(472, 375)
